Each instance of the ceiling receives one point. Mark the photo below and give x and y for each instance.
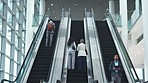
(77, 7)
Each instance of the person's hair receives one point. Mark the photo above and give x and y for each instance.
(82, 41)
(70, 41)
(50, 20)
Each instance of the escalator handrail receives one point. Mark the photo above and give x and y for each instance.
(90, 73)
(99, 51)
(126, 59)
(66, 48)
(30, 51)
(98, 47)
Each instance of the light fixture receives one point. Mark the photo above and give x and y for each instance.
(51, 4)
(75, 4)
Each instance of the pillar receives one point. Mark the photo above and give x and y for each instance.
(124, 22)
(112, 7)
(145, 35)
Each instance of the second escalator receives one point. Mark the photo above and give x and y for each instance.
(108, 48)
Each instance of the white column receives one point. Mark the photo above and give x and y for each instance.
(112, 7)
(124, 21)
(42, 9)
(29, 20)
(145, 35)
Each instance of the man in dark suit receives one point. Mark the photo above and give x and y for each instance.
(116, 70)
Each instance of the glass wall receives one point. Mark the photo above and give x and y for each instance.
(12, 37)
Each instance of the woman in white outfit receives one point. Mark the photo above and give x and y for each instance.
(71, 53)
(81, 48)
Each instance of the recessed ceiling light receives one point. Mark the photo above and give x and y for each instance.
(55, 17)
(75, 4)
(51, 4)
(53, 11)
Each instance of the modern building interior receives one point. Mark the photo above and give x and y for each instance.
(108, 27)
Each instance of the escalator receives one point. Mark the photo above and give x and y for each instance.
(43, 60)
(107, 47)
(77, 76)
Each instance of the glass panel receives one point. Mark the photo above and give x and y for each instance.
(24, 24)
(0, 42)
(8, 49)
(9, 18)
(8, 33)
(17, 13)
(6, 76)
(0, 25)
(17, 1)
(23, 35)
(17, 27)
(15, 55)
(10, 4)
(7, 63)
(22, 58)
(23, 48)
(16, 40)
(15, 69)
(24, 11)
(1, 7)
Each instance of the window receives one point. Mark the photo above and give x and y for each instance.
(17, 28)
(1, 7)
(10, 4)
(7, 62)
(9, 18)
(8, 49)
(8, 33)
(16, 40)
(17, 13)
(0, 25)
(15, 55)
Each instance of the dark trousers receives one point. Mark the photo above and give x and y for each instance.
(82, 63)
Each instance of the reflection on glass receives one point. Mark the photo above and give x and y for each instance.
(10, 4)
(8, 33)
(1, 7)
(0, 25)
(9, 18)
(8, 49)
(7, 63)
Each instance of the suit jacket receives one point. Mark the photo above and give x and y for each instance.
(116, 69)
